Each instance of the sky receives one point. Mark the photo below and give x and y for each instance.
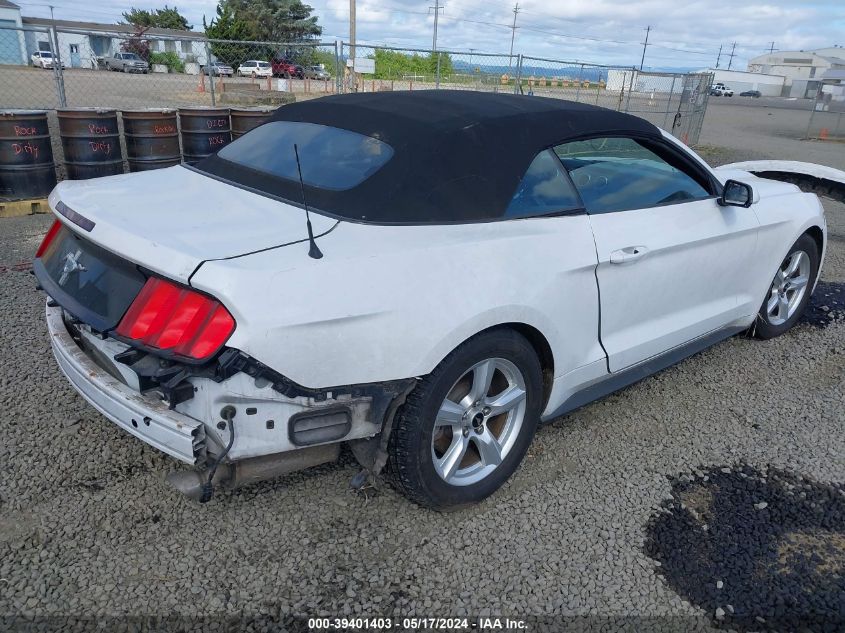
(684, 33)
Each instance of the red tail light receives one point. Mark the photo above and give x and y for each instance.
(175, 319)
(51, 235)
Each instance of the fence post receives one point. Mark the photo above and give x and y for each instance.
(669, 105)
(57, 68)
(580, 75)
(517, 86)
(630, 88)
(437, 81)
(210, 74)
(338, 75)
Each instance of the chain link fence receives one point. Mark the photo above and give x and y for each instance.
(55, 68)
(47, 68)
(676, 102)
(827, 120)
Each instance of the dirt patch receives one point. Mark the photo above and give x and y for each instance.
(818, 551)
(756, 549)
(827, 305)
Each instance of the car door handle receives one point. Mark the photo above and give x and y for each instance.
(628, 254)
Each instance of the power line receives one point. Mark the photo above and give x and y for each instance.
(513, 28)
(437, 6)
(352, 29)
(645, 45)
(731, 57)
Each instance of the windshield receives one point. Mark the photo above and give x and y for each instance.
(263, 65)
(46, 54)
(331, 158)
(130, 56)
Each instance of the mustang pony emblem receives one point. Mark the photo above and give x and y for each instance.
(72, 265)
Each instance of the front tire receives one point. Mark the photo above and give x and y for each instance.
(790, 290)
(465, 427)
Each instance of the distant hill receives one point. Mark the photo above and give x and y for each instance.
(571, 71)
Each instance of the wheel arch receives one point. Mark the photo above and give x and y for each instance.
(538, 342)
(818, 237)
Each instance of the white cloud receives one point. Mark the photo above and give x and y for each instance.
(684, 33)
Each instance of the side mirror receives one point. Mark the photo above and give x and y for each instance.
(736, 194)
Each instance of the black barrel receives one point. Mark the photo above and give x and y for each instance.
(91, 142)
(26, 155)
(243, 120)
(152, 138)
(204, 131)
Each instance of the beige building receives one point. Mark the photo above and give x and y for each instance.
(802, 70)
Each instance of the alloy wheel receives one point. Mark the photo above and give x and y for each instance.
(478, 422)
(788, 287)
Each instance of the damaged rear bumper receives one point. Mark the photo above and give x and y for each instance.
(143, 416)
(274, 417)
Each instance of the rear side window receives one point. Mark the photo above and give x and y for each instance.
(331, 158)
(544, 189)
(616, 174)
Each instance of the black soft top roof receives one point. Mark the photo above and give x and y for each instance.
(458, 155)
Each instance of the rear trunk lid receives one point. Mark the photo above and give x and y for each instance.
(171, 220)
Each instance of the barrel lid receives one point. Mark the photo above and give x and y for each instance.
(203, 111)
(143, 111)
(252, 112)
(13, 112)
(83, 112)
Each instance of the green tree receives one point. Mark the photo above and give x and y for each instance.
(165, 18)
(271, 20)
(395, 64)
(228, 26)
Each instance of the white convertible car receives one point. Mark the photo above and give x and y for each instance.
(424, 276)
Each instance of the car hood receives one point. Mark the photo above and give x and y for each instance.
(171, 220)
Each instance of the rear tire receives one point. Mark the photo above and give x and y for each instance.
(790, 290)
(466, 427)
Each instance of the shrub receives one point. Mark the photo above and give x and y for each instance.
(169, 59)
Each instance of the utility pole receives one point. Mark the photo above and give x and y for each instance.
(437, 6)
(719, 56)
(645, 45)
(352, 29)
(731, 57)
(513, 28)
(772, 48)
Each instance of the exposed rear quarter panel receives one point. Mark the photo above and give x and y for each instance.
(391, 302)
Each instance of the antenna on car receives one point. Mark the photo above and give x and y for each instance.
(314, 251)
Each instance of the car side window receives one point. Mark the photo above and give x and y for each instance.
(543, 189)
(617, 174)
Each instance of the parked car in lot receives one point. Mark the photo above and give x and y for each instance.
(283, 67)
(43, 59)
(751, 93)
(127, 63)
(316, 72)
(425, 276)
(218, 69)
(254, 68)
(721, 90)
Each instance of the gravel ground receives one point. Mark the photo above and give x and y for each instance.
(755, 129)
(89, 529)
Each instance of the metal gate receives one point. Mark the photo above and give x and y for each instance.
(689, 117)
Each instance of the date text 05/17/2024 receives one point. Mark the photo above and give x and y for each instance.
(484, 623)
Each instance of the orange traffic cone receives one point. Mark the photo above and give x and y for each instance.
(201, 87)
